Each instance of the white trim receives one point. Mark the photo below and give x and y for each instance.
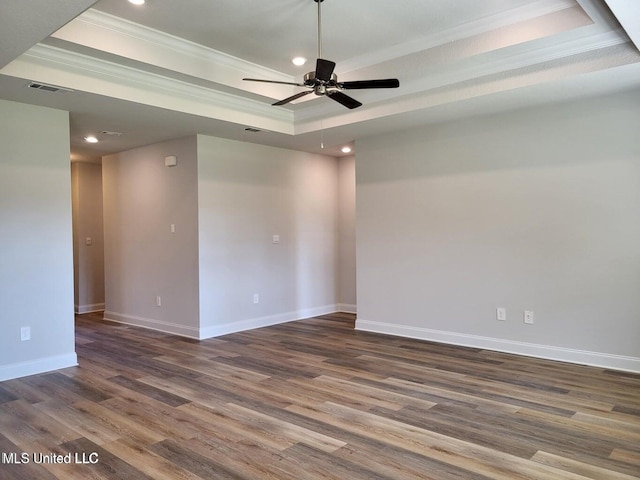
(81, 72)
(97, 68)
(452, 82)
(347, 308)
(95, 307)
(152, 324)
(466, 30)
(41, 365)
(550, 352)
(217, 330)
(252, 323)
(105, 22)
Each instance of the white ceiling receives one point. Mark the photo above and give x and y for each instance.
(170, 69)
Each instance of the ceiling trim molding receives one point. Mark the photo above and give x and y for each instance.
(94, 26)
(490, 64)
(628, 14)
(470, 29)
(84, 73)
(523, 57)
(476, 86)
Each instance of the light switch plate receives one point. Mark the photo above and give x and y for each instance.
(25, 334)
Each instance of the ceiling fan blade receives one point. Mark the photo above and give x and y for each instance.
(361, 84)
(324, 69)
(273, 81)
(345, 100)
(292, 98)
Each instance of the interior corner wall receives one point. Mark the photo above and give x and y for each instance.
(88, 244)
(247, 194)
(151, 272)
(347, 234)
(36, 253)
(529, 210)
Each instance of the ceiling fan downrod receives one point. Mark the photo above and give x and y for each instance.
(319, 2)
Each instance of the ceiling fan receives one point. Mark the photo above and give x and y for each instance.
(323, 82)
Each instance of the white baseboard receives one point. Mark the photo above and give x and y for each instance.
(250, 324)
(582, 357)
(153, 324)
(347, 308)
(40, 365)
(217, 330)
(96, 307)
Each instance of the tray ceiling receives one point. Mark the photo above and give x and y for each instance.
(169, 69)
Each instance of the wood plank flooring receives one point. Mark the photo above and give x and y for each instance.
(314, 399)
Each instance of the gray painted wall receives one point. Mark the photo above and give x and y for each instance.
(36, 257)
(347, 239)
(88, 257)
(247, 194)
(143, 258)
(227, 200)
(530, 210)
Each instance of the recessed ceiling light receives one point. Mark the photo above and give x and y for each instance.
(346, 149)
(299, 61)
(137, 2)
(91, 139)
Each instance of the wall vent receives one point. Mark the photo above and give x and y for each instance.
(48, 88)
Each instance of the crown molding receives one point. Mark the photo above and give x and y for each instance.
(522, 57)
(95, 19)
(628, 14)
(470, 29)
(84, 73)
(482, 79)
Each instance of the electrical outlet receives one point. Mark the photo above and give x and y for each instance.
(501, 314)
(256, 298)
(528, 317)
(25, 334)
(158, 301)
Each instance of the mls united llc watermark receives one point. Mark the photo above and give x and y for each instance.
(16, 458)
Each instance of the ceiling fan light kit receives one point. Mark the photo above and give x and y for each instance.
(323, 82)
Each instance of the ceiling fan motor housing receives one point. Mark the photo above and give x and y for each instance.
(319, 86)
(310, 79)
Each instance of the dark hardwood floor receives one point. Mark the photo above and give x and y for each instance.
(314, 399)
